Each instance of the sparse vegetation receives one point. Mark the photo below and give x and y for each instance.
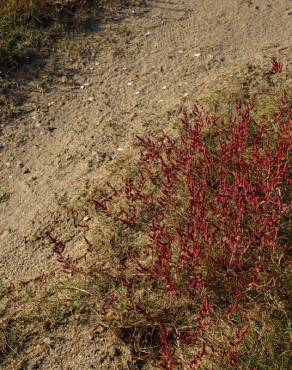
(28, 25)
(37, 32)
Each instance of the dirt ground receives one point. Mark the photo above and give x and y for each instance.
(154, 61)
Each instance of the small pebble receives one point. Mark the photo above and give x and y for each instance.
(120, 149)
(163, 87)
(197, 55)
(137, 93)
(91, 98)
(130, 83)
(147, 33)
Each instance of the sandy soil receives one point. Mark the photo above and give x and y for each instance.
(154, 63)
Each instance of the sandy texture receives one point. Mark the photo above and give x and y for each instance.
(154, 63)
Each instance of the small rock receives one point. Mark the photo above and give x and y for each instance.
(130, 83)
(120, 149)
(91, 98)
(4, 234)
(137, 92)
(47, 341)
(64, 79)
(148, 33)
(197, 55)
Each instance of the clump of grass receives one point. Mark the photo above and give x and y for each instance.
(28, 25)
(193, 268)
